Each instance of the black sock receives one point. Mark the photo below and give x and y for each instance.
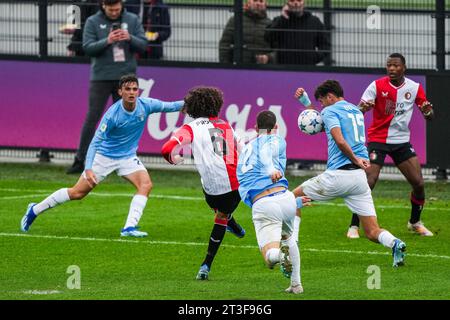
(234, 225)
(217, 234)
(416, 208)
(355, 220)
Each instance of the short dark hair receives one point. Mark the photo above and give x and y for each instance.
(329, 86)
(266, 120)
(203, 102)
(110, 2)
(128, 78)
(398, 55)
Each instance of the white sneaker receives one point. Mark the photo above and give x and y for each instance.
(353, 232)
(133, 232)
(419, 228)
(295, 289)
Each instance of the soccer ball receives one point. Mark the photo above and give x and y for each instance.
(310, 122)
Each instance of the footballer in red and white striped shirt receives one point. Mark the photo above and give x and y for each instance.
(215, 151)
(392, 99)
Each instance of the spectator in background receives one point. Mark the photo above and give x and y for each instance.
(256, 49)
(111, 38)
(156, 21)
(298, 36)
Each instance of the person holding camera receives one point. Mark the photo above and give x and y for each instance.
(111, 38)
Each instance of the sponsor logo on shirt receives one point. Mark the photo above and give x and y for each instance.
(103, 26)
(384, 94)
(394, 108)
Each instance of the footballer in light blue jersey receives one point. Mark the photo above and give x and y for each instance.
(113, 148)
(257, 161)
(263, 187)
(345, 176)
(346, 116)
(118, 134)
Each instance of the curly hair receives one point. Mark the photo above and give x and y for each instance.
(203, 102)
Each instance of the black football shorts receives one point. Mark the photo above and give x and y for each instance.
(398, 152)
(224, 203)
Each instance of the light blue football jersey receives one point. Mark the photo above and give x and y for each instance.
(257, 161)
(119, 131)
(351, 121)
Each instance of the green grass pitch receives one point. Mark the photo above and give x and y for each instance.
(164, 265)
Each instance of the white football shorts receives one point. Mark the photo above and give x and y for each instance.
(273, 216)
(351, 185)
(103, 166)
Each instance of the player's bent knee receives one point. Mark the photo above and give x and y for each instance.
(419, 186)
(146, 187)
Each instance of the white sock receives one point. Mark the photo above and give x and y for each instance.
(386, 239)
(297, 221)
(273, 256)
(56, 198)
(294, 253)
(136, 209)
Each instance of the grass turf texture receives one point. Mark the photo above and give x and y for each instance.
(164, 265)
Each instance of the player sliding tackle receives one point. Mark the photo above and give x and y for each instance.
(113, 148)
(263, 187)
(347, 159)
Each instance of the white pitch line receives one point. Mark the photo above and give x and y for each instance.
(23, 197)
(176, 243)
(186, 198)
(41, 292)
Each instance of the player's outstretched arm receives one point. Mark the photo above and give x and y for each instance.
(171, 149)
(156, 105)
(302, 96)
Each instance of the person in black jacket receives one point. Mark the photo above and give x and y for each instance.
(87, 9)
(297, 36)
(256, 49)
(156, 22)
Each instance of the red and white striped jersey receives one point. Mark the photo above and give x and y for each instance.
(393, 109)
(215, 152)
